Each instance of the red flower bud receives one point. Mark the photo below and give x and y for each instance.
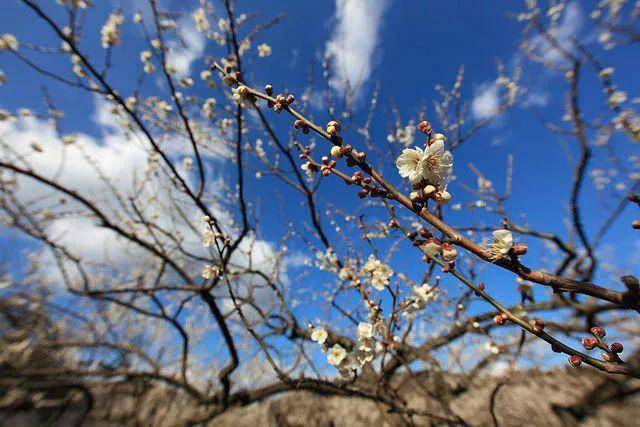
(575, 360)
(589, 343)
(481, 286)
(520, 249)
(599, 332)
(617, 347)
(424, 126)
(499, 320)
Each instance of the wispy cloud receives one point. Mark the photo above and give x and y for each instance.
(183, 57)
(486, 102)
(354, 41)
(569, 26)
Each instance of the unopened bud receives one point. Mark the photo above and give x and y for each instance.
(336, 151)
(575, 360)
(635, 224)
(520, 249)
(428, 190)
(268, 89)
(589, 343)
(415, 196)
(599, 332)
(538, 325)
(442, 197)
(332, 130)
(298, 124)
(499, 320)
(449, 253)
(290, 99)
(617, 347)
(424, 126)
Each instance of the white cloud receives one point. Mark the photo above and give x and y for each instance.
(569, 26)
(353, 44)
(183, 57)
(486, 102)
(96, 166)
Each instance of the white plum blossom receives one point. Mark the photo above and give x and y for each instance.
(336, 355)
(501, 245)
(617, 98)
(111, 30)
(380, 273)
(409, 164)
(210, 272)
(200, 17)
(9, 42)
(437, 163)
(433, 164)
(319, 335)
(264, 50)
(365, 331)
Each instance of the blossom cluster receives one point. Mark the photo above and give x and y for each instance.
(428, 168)
(111, 30)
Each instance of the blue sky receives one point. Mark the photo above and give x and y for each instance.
(407, 47)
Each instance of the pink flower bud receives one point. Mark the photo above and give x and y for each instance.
(520, 249)
(424, 127)
(599, 332)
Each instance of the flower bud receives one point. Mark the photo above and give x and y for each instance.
(575, 360)
(429, 190)
(499, 320)
(268, 89)
(363, 193)
(597, 331)
(431, 247)
(617, 347)
(424, 127)
(415, 196)
(635, 224)
(634, 198)
(589, 343)
(449, 253)
(332, 130)
(442, 197)
(610, 357)
(298, 124)
(520, 249)
(336, 151)
(425, 234)
(538, 325)
(290, 99)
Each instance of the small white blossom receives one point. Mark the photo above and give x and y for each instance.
(264, 50)
(336, 355)
(502, 244)
(200, 17)
(365, 331)
(319, 335)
